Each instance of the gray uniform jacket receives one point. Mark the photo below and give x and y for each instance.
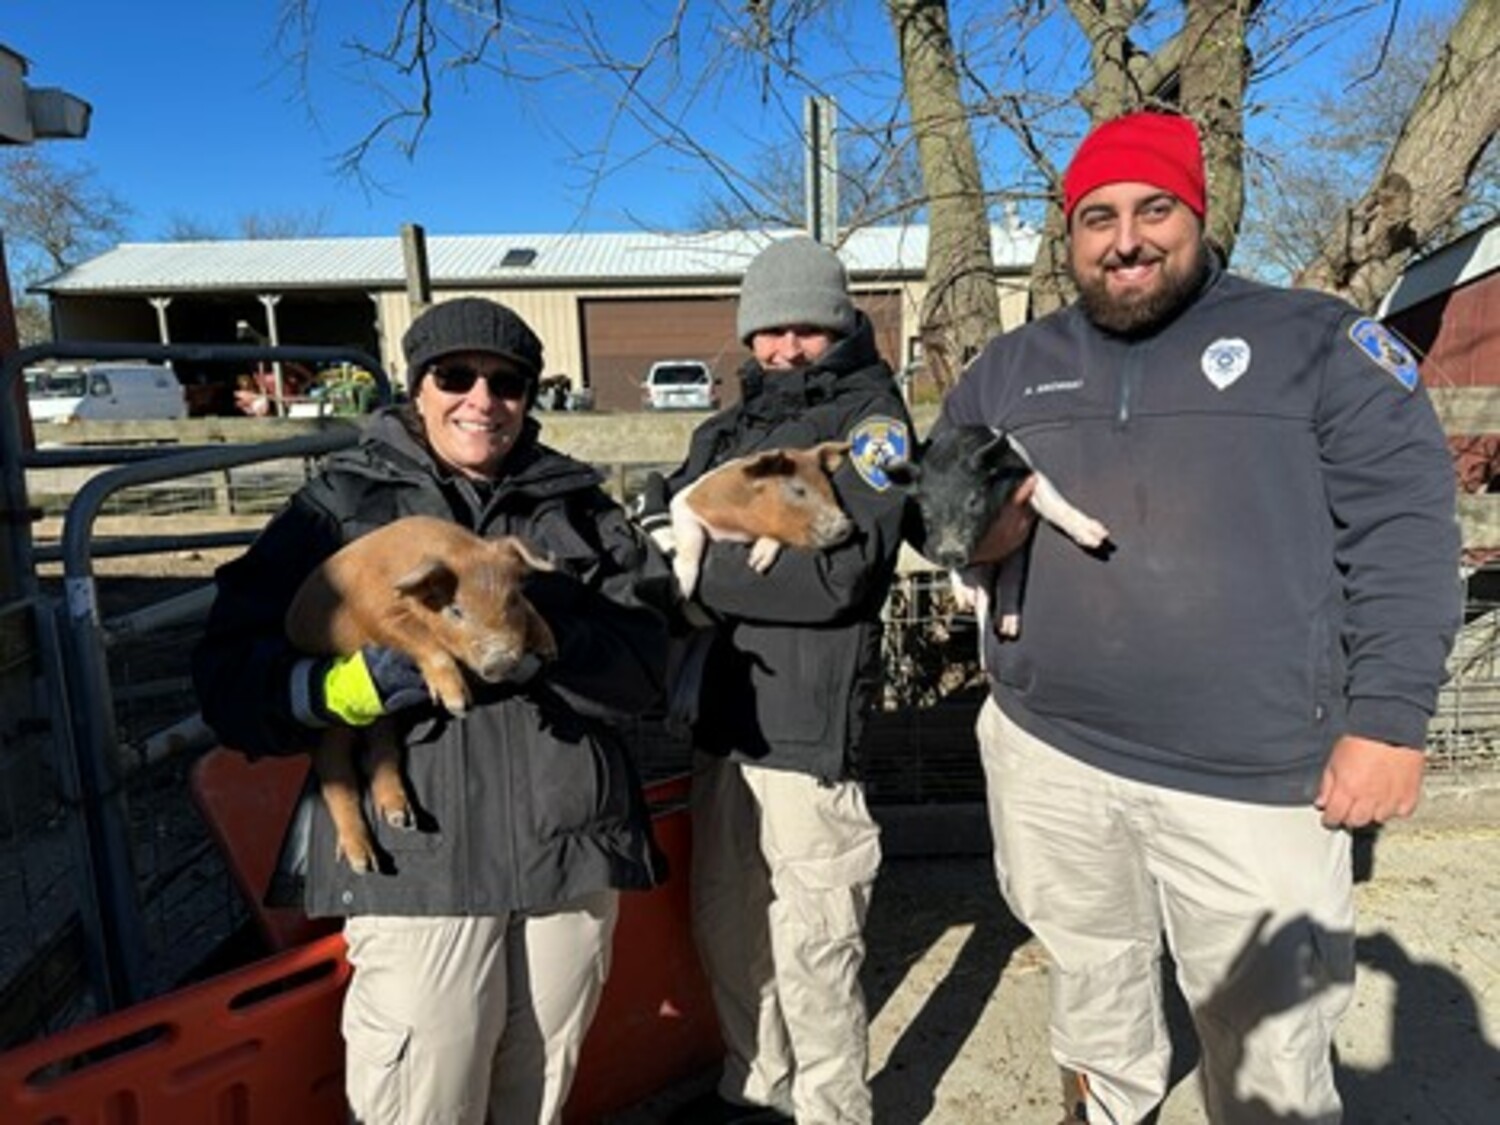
(796, 660)
(529, 800)
(1285, 550)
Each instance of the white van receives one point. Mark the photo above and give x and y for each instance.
(103, 392)
(680, 384)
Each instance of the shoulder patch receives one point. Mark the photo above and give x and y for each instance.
(1383, 347)
(875, 443)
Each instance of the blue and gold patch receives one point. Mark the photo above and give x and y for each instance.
(875, 443)
(1389, 353)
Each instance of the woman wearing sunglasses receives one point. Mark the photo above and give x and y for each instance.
(481, 945)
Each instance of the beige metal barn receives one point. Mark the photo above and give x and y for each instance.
(606, 305)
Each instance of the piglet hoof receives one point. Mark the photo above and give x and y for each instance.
(1091, 533)
(763, 554)
(1008, 625)
(399, 816)
(359, 856)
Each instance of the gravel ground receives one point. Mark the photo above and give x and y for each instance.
(958, 992)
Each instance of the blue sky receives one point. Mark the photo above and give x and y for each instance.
(197, 115)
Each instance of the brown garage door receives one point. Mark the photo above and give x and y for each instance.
(622, 337)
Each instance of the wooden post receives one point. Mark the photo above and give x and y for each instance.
(224, 493)
(414, 258)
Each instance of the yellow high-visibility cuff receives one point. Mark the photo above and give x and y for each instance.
(349, 692)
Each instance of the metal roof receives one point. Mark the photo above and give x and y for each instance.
(870, 254)
(1466, 258)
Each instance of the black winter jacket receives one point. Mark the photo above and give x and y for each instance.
(528, 801)
(796, 660)
(1285, 554)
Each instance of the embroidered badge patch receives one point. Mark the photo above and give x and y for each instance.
(875, 443)
(1224, 361)
(1389, 353)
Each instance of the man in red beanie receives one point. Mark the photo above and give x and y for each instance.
(1192, 720)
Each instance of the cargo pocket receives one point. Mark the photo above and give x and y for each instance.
(375, 1072)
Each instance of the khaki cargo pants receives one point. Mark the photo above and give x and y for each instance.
(459, 1021)
(1256, 902)
(783, 869)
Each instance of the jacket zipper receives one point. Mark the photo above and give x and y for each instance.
(1130, 378)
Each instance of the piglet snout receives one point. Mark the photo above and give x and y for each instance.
(831, 528)
(497, 661)
(949, 547)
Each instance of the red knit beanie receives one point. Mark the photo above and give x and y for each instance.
(1160, 149)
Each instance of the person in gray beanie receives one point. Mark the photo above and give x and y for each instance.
(481, 939)
(785, 852)
(795, 281)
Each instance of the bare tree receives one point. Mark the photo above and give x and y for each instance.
(1214, 73)
(1422, 184)
(962, 309)
(55, 215)
(1303, 182)
(252, 226)
(875, 183)
(261, 225)
(182, 227)
(1201, 69)
(1033, 73)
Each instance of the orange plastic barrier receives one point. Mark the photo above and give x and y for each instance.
(247, 806)
(261, 1046)
(655, 1024)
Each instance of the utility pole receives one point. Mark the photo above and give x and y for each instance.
(821, 180)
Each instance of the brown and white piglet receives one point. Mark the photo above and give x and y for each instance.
(773, 499)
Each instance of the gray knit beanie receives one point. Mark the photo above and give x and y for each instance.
(469, 324)
(795, 281)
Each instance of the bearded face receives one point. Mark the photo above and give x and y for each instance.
(1136, 255)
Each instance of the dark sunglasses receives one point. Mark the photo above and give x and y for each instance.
(459, 379)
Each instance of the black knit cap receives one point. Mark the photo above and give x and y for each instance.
(469, 324)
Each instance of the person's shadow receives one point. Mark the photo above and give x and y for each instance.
(1441, 1067)
(903, 927)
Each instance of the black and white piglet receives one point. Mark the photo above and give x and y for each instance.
(961, 481)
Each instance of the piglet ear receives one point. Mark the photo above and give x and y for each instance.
(773, 462)
(432, 582)
(903, 473)
(831, 454)
(525, 553)
(990, 455)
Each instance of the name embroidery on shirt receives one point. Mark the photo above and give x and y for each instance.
(1053, 387)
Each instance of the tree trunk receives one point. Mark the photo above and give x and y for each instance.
(1212, 81)
(1420, 189)
(962, 310)
(1113, 89)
